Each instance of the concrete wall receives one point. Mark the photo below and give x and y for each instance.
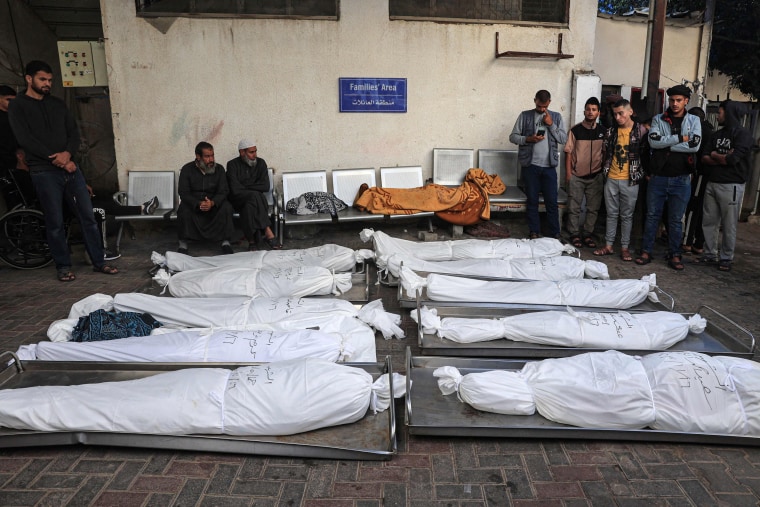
(621, 45)
(718, 88)
(277, 81)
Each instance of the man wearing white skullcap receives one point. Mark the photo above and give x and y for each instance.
(248, 179)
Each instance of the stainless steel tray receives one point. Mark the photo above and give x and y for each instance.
(371, 438)
(428, 412)
(722, 337)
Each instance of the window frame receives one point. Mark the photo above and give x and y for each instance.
(236, 15)
(550, 24)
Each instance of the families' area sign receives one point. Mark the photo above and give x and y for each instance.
(372, 95)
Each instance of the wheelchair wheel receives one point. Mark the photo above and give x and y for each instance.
(23, 243)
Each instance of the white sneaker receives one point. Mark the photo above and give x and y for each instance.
(108, 255)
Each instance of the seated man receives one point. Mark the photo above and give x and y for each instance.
(248, 180)
(204, 212)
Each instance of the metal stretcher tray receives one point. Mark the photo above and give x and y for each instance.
(359, 292)
(428, 412)
(722, 337)
(405, 301)
(371, 438)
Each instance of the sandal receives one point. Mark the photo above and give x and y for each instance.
(625, 255)
(65, 275)
(604, 251)
(704, 261)
(106, 269)
(675, 263)
(589, 242)
(576, 241)
(724, 265)
(643, 259)
(273, 243)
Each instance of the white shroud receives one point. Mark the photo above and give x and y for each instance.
(509, 248)
(538, 268)
(669, 391)
(619, 331)
(616, 294)
(333, 257)
(272, 399)
(288, 281)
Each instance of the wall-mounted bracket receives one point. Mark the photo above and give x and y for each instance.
(523, 54)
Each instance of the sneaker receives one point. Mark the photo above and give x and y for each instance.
(226, 249)
(149, 207)
(111, 256)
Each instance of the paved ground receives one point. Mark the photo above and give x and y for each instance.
(427, 471)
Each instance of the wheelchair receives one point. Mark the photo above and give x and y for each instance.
(23, 241)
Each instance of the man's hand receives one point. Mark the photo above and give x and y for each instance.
(534, 139)
(206, 204)
(60, 159)
(69, 166)
(548, 119)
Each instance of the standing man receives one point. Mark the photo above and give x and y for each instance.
(538, 132)
(248, 179)
(675, 137)
(583, 173)
(48, 134)
(727, 167)
(625, 149)
(204, 212)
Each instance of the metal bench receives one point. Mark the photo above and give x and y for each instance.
(450, 166)
(293, 185)
(405, 177)
(504, 164)
(345, 184)
(142, 186)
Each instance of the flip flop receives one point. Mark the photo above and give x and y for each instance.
(589, 242)
(604, 251)
(576, 241)
(65, 275)
(643, 259)
(676, 263)
(106, 269)
(625, 255)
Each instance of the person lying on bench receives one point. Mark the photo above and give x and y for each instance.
(248, 179)
(204, 212)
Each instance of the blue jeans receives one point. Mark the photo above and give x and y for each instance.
(56, 188)
(676, 190)
(544, 180)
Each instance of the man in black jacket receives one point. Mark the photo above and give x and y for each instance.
(49, 136)
(248, 178)
(727, 168)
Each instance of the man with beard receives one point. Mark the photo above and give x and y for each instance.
(248, 179)
(48, 134)
(674, 137)
(727, 167)
(204, 212)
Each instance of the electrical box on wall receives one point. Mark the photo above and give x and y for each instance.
(83, 63)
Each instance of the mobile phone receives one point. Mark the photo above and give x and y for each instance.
(540, 132)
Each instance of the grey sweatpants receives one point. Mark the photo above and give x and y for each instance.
(722, 206)
(592, 189)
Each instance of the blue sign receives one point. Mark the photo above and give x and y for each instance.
(372, 95)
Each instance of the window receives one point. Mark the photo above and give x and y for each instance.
(321, 9)
(482, 11)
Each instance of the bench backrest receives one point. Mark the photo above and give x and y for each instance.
(504, 163)
(451, 165)
(270, 193)
(295, 184)
(401, 177)
(346, 182)
(143, 185)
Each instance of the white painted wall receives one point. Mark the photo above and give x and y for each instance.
(277, 81)
(621, 45)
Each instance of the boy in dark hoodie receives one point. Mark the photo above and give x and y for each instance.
(727, 168)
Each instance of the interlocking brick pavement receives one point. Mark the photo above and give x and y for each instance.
(427, 471)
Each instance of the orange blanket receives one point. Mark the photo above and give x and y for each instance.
(464, 205)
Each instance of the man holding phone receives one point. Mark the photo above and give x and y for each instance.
(538, 132)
